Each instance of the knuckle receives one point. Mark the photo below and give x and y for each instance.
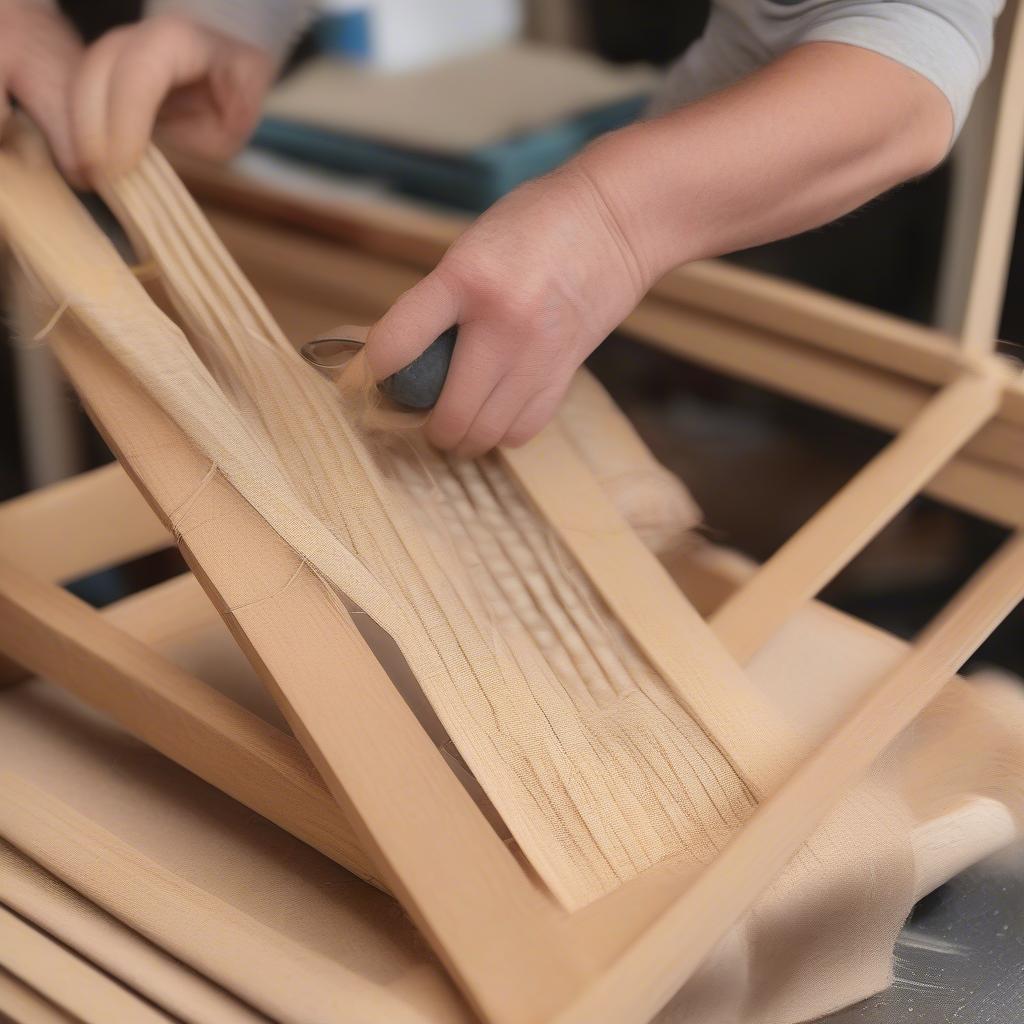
(483, 281)
(445, 429)
(478, 441)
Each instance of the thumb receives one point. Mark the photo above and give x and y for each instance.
(426, 310)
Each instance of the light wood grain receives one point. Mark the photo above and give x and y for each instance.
(58, 636)
(153, 900)
(72, 984)
(433, 846)
(701, 673)
(517, 957)
(79, 526)
(22, 1004)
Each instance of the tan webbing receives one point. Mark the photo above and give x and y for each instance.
(580, 742)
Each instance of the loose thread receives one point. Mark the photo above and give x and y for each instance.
(148, 271)
(182, 510)
(43, 331)
(268, 597)
(358, 386)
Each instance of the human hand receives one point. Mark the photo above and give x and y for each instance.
(535, 285)
(201, 91)
(39, 55)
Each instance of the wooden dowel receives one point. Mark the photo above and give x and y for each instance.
(658, 963)
(818, 551)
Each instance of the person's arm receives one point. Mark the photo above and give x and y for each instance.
(194, 72)
(544, 275)
(808, 138)
(39, 55)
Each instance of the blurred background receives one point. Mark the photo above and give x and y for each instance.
(446, 104)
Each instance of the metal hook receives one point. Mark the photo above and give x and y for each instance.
(416, 386)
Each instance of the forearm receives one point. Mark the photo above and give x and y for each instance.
(806, 139)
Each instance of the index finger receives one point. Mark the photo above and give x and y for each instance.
(412, 323)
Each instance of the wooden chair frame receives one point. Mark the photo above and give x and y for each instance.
(625, 954)
(363, 783)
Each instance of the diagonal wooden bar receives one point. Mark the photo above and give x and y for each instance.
(848, 522)
(89, 522)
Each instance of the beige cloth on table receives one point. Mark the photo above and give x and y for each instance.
(596, 769)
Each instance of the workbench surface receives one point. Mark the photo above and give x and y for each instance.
(960, 960)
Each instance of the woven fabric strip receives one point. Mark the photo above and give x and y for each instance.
(590, 755)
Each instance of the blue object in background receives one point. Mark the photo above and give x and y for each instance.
(472, 181)
(346, 33)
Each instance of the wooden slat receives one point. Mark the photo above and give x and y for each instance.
(450, 872)
(69, 982)
(855, 390)
(79, 526)
(655, 613)
(22, 1004)
(817, 552)
(151, 899)
(432, 845)
(58, 636)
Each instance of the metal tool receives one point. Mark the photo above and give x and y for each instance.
(416, 386)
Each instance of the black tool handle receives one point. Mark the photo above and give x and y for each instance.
(418, 385)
